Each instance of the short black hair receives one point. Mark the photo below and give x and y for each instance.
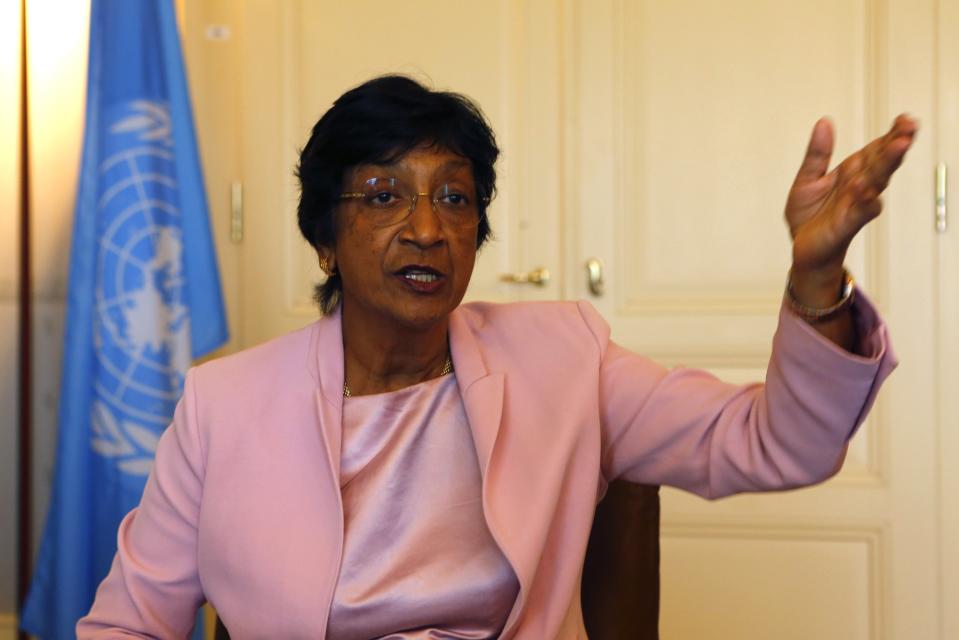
(378, 122)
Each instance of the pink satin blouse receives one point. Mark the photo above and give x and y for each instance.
(418, 558)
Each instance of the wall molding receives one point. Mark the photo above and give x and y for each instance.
(8, 626)
(873, 537)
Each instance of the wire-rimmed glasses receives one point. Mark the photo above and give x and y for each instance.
(387, 201)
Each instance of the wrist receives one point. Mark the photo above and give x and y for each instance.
(820, 296)
(817, 288)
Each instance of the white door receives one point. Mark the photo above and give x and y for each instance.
(659, 138)
(689, 121)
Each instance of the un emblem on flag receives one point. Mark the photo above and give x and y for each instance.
(141, 325)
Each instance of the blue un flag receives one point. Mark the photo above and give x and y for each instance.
(144, 299)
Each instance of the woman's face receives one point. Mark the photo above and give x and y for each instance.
(410, 270)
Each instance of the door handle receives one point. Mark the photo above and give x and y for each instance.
(942, 214)
(594, 275)
(538, 276)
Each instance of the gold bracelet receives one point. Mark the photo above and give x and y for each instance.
(812, 314)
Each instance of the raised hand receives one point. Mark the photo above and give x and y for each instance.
(826, 209)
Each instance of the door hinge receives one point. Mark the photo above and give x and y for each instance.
(236, 211)
(942, 212)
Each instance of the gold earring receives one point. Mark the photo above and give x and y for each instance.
(325, 266)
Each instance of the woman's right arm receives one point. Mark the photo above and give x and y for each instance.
(153, 588)
(685, 428)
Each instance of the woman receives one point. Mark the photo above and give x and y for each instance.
(408, 467)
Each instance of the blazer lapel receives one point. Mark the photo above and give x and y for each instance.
(482, 393)
(326, 353)
(327, 350)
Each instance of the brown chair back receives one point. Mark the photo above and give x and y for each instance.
(620, 590)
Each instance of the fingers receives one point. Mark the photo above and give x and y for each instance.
(860, 215)
(815, 164)
(870, 210)
(866, 174)
(904, 124)
(836, 214)
(885, 154)
(859, 192)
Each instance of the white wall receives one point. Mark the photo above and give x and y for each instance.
(58, 42)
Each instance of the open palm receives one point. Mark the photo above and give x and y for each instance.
(826, 209)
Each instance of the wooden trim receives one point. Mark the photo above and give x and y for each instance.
(8, 626)
(24, 466)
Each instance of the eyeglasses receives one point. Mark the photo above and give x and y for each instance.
(387, 201)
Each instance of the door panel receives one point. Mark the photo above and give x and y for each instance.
(767, 572)
(689, 122)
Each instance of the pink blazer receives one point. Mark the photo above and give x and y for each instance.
(243, 506)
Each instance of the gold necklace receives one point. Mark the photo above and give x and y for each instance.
(447, 369)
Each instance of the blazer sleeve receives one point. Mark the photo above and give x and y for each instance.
(153, 589)
(684, 428)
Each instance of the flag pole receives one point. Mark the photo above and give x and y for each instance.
(24, 534)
